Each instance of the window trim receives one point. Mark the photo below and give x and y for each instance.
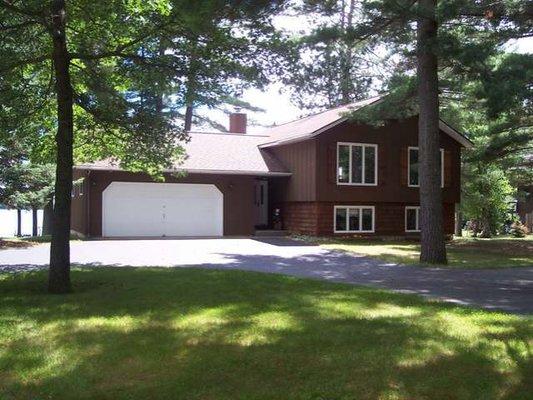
(409, 167)
(417, 219)
(347, 207)
(350, 145)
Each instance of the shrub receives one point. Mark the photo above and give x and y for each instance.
(519, 230)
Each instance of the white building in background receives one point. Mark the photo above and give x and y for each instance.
(8, 222)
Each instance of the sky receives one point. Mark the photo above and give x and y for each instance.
(277, 103)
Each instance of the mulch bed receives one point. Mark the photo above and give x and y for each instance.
(15, 244)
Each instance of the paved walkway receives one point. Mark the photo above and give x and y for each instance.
(509, 290)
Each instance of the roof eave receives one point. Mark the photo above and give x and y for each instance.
(305, 137)
(191, 171)
(455, 134)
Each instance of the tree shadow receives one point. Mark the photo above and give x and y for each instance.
(212, 334)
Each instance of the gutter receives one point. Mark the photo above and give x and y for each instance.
(190, 171)
(452, 132)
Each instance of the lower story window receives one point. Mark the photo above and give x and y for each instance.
(354, 219)
(412, 219)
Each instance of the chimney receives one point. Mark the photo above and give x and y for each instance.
(237, 123)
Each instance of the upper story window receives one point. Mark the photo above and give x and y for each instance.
(413, 167)
(357, 164)
(77, 188)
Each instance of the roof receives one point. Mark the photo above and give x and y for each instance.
(218, 153)
(229, 152)
(246, 154)
(313, 125)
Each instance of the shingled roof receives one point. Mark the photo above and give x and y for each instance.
(308, 127)
(312, 125)
(223, 153)
(247, 154)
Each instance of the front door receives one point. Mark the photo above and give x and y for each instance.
(261, 203)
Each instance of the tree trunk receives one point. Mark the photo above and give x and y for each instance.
(458, 224)
(48, 216)
(59, 274)
(458, 228)
(19, 223)
(347, 88)
(433, 249)
(188, 118)
(34, 230)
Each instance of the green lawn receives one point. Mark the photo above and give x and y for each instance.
(197, 334)
(462, 252)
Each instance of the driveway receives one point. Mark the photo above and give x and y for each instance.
(509, 290)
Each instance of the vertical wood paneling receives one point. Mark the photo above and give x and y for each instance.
(392, 140)
(300, 160)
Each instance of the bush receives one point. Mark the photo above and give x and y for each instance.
(519, 230)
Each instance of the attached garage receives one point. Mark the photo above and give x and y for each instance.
(162, 209)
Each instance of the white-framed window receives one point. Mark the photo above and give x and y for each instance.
(357, 164)
(358, 219)
(412, 219)
(413, 164)
(77, 188)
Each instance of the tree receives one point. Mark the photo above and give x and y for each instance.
(432, 246)
(11, 153)
(331, 69)
(106, 69)
(27, 187)
(35, 43)
(487, 196)
(494, 105)
(230, 47)
(450, 38)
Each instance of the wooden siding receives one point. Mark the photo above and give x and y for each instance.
(238, 191)
(78, 220)
(316, 218)
(392, 140)
(301, 160)
(300, 217)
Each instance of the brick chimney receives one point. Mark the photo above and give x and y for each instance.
(237, 122)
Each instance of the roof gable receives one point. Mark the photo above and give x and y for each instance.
(313, 125)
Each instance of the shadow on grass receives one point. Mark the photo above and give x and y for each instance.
(212, 334)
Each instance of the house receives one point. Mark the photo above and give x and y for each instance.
(325, 174)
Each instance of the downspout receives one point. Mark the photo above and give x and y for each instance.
(88, 206)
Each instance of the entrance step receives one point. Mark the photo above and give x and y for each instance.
(271, 233)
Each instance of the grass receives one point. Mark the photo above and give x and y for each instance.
(209, 334)
(27, 241)
(500, 252)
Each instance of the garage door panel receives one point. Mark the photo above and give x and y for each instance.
(161, 209)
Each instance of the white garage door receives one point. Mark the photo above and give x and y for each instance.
(161, 209)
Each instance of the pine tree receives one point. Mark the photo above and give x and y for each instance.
(99, 67)
(453, 39)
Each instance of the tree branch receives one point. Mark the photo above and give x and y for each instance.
(36, 16)
(119, 50)
(27, 61)
(17, 26)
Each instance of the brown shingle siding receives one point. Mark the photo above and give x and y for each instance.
(316, 218)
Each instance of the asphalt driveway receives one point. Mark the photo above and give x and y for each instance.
(509, 290)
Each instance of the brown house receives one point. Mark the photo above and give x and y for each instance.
(325, 174)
